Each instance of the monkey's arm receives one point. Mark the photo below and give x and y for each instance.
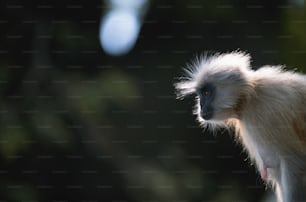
(292, 183)
(293, 166)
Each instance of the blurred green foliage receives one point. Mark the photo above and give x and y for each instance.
(79, 125)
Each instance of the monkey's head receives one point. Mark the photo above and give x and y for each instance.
(219, 82)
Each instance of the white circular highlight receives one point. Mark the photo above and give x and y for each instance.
(119, 31)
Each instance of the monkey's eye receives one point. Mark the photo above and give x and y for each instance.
(206, 91)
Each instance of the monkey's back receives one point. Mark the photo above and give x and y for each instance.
(274, 120)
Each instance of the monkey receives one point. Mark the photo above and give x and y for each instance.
(265, 107)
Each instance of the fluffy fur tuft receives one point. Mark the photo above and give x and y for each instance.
(203, 66)
(267, 109)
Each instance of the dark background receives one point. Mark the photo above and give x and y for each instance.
(79, 125)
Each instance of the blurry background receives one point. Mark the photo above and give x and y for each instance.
(81, 122)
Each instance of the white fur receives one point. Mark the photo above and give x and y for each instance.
(271, 123)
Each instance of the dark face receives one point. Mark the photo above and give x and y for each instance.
(206, 94)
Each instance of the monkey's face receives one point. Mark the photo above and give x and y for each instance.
(216, 101)
(206, 95)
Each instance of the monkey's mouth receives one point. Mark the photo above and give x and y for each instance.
(207, 115)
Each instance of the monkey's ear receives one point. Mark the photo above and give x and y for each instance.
(184, 88)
